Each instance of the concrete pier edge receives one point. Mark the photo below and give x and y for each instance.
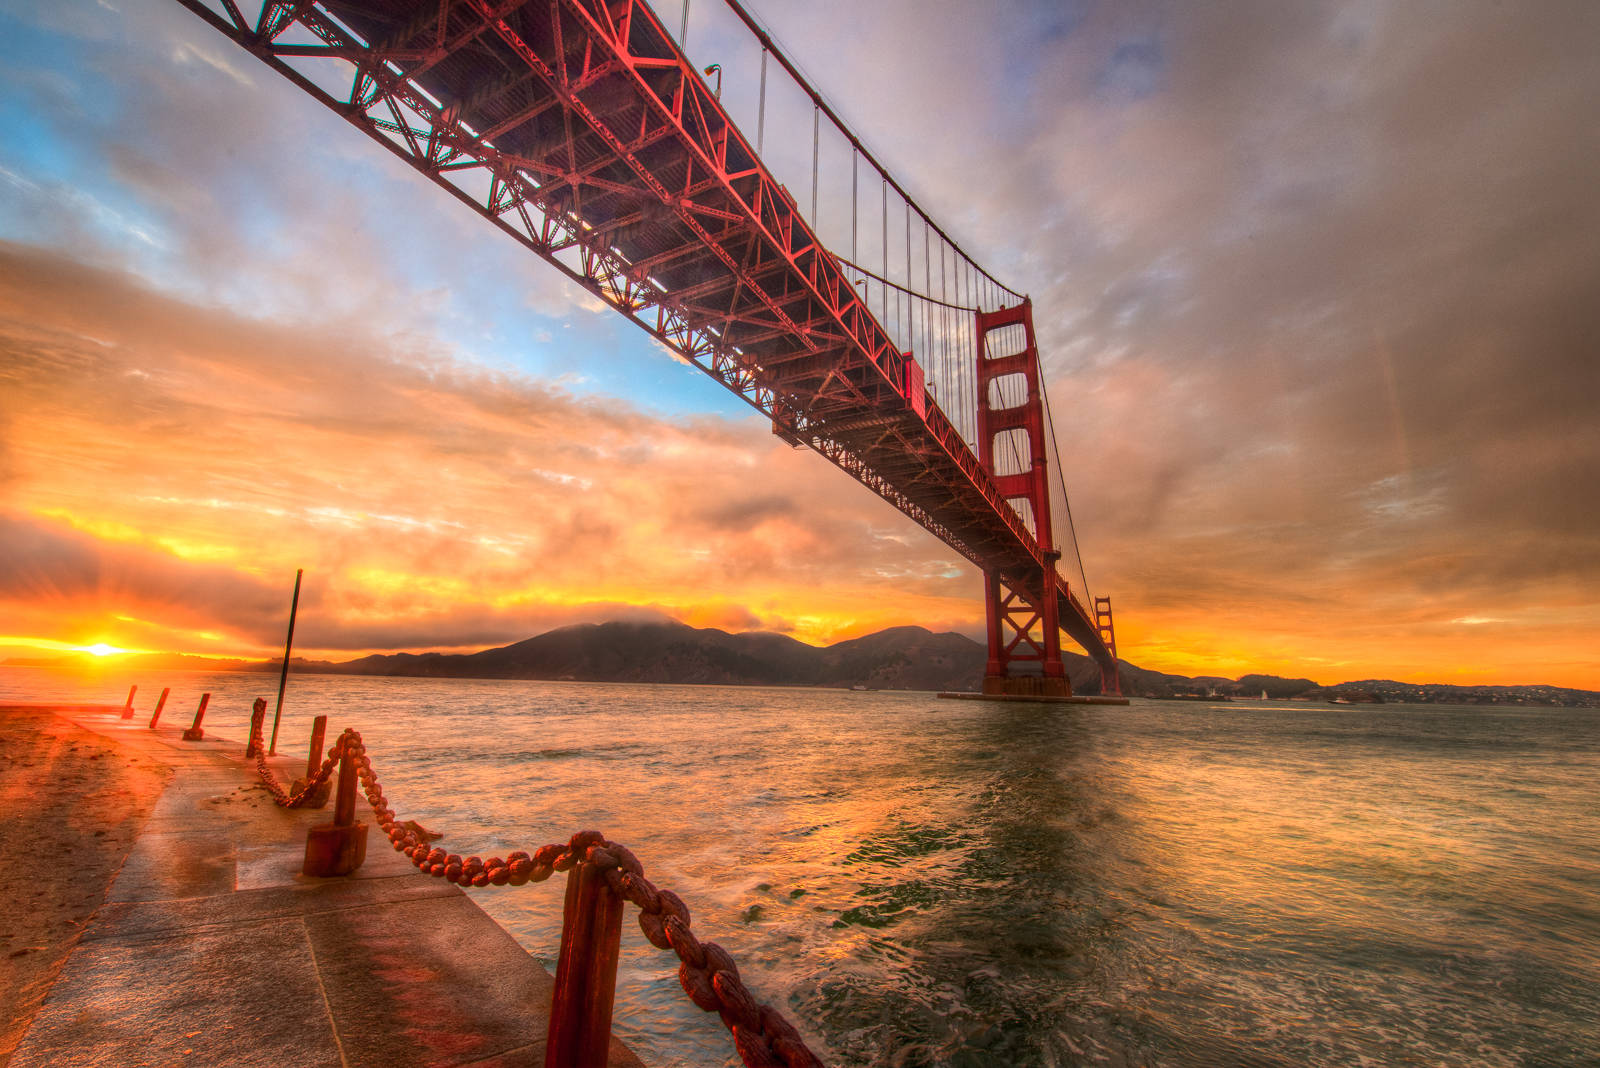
(211, 948)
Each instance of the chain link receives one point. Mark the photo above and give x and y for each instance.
(307, 793)
(706, 971)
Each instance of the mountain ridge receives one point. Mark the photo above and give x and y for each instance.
(906, 657)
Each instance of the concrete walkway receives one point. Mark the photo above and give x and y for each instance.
(213, 949)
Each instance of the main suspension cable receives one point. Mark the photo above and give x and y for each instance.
(881, 280)
(1066, 502)
(822, 105)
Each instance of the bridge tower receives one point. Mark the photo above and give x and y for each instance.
(1024, 619)
(1110, 677)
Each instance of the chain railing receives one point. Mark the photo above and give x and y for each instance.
(603, 875)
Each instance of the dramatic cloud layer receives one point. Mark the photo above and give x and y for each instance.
(177, 464)
(1313, 286)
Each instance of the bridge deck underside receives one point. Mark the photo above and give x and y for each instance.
(590, 127)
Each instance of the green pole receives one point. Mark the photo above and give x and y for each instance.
(283, 677)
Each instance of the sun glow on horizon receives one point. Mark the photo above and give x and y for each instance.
(75, 650)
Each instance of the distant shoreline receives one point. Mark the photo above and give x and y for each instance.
(907, 659)
(1244, 702)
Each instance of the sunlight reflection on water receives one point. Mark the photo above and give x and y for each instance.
(921, 882)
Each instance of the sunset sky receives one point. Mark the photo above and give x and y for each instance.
(1316, 288)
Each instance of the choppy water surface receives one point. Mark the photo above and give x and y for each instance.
(925, 882)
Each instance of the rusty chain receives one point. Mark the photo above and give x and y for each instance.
(280, 796)
(706, 971)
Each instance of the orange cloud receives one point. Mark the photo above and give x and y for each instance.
(166, 467)
(172, 466)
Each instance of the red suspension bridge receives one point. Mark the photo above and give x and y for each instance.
(582, 129)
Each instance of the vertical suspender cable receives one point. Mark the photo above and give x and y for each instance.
(944, 329)
(966, 407)
(816, 140)
(956, 373)
(683, 33)
(855, 161)
(761, 108)
(938, 324)
(770, 45)
(927, 332)
(958, 346)
(927, 287)
(968, 342)
(927, 262)
(886, 251)
(1062, 480)
(944, 346)
(909, 282)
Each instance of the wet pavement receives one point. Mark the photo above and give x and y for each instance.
(212, 948)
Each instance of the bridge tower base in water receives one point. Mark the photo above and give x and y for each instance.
(1024, 620)
(1110, 677)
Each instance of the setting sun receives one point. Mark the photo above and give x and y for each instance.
(101, 649)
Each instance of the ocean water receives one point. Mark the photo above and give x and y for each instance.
(924, 882)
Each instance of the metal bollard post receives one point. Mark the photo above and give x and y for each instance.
(258, 716)
(127, 707)
(196, 732)
(161, 702)
(337, 848)
(586, 972)
(319, 731)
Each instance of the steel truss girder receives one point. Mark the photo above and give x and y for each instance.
(600, 50)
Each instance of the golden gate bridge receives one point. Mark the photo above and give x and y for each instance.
(582, 129)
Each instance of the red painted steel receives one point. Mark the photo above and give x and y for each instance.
(580, 129)
(1110, 678)
(1023, 623)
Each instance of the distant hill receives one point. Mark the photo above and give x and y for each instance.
(900, 658)
(1138, 682)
